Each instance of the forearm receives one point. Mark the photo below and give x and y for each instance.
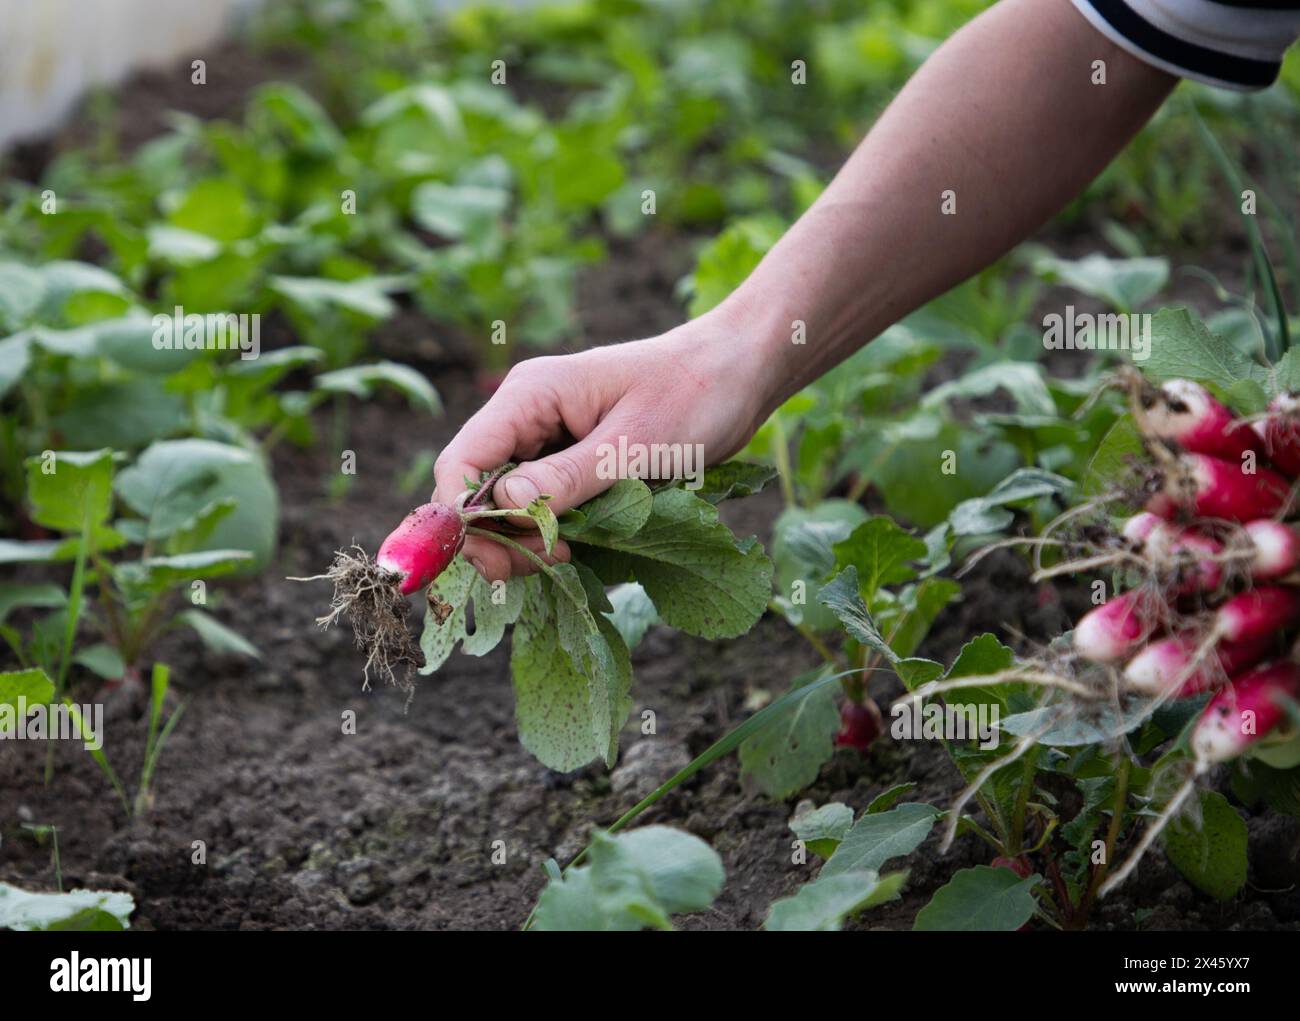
(1005, 119)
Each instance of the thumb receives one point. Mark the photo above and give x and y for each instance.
(569, 477)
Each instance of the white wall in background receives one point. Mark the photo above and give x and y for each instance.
(51, 51)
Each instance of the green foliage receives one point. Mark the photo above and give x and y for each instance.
(633, 881)
(74, 911)
(570, 658)
(980, 899)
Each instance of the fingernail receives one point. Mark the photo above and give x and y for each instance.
(519, 490)
(477, 564)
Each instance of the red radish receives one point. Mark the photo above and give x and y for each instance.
(1244, 711)
(1260, 612)
(1153, 670)
(860, 725)
(1213, 488)
(1188, 414)
(1281, 433)
(1276, 548)
(1117, 627)
(421, 547)
(1020, 866)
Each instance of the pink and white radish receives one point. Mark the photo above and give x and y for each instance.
(1189, 415)
(1245, 711)
(1116, 628)
(1275, 549)
(1261, 612)
(421, 547)
(1210, 487)
(1172, 663)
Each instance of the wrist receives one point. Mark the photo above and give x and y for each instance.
(751, 350)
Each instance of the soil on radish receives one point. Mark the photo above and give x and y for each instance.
(306, 826)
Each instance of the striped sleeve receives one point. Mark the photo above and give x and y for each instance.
(1234, 44)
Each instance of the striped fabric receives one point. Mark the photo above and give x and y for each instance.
(1235, 44)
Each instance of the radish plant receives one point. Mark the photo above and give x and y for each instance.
(167, 507)
(1187, 665)
(570, 664)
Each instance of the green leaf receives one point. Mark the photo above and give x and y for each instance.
(786, 756)
(1279, 788)
(725, 262)
(43, 595)
(14, 552)
(886, 800)
(216, 635)
(1024, 381)
(125, 414)
(179, 246)
(684, 873)
(77, 910)
(191, 535)
(734, 479)
(841, 596)
(979, 899)
(881, 552)
(911, 616)
(822, 829)
(540, 511)
(362, 380)
(15, 354)
(985, 514)
(632, 881)
(366, 296)
(33, 686)
(102, 660)
(701, 580)
(879, 836)
(1120, 450)
(215, 207)
(1210, 852)
(621, 511)
(633, 614)
(174, 482)
(458, 211)
(138, 578)
(495, 607)
(571, 673)
(822, 905)
(1183, 348)
(1124, 284)
(71, 489)
(979, 657)
(803, 542)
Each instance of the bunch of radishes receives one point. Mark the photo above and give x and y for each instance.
(1220, 595)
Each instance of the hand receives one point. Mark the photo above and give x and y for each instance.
(688, 386)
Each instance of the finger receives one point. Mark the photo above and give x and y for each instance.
(570, 477)
(483, 443)
(496, 562)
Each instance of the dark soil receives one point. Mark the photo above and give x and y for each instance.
(394, 826)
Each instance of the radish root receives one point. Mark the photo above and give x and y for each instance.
(369, 598)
